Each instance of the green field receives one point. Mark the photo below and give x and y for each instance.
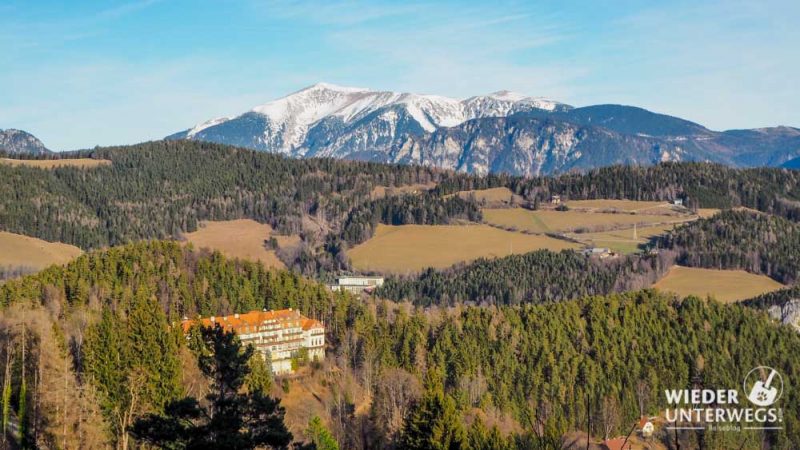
(410, 248)
(724, 285)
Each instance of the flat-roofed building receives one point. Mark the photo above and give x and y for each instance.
(356, 284)
(278, 335)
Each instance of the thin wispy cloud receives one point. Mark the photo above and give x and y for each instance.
(146, 68)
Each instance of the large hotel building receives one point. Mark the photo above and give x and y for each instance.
(277, 335)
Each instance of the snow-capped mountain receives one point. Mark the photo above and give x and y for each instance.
(330, 120)
(18, 141)
(498, 132)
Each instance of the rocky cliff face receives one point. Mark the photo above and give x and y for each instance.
(498, 132)
(18, 141)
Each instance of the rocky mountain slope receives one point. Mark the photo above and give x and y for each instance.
(18, 141)
(498, 132)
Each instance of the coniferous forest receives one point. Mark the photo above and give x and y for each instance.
(521, 351)
(101, 356)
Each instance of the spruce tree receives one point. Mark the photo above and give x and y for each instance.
(231, 418)
(434, 423)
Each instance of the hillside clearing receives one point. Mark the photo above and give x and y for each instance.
(493, 196)
(83, 163)
(410, 248)
(544, 221)
(619, 205)
(17, 250)
(388, 191)
(623, 240)
(242, 238)
(724, 285)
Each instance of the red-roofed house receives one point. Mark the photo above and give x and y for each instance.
(617, 444)
(277, 335)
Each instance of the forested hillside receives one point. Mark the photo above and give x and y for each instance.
(99, 333)
(755, 242)
(702, 184)
(537, 277)
(159, 189)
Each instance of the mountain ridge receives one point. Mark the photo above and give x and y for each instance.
(326, 120)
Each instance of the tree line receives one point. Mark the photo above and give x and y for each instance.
(752, 241)
(536, 277)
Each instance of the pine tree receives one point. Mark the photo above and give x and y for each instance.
(6, 399)
(260, 376)
(320, 436)
(434, 423)
(231, 419)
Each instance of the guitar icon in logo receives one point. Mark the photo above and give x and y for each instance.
(764, 393)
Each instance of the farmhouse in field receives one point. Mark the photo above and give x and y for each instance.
(599, 252)
(555, 200)
(356, 284)
(280, 336)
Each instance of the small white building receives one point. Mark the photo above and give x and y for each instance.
(356, 284)
(677, 202)
(646, 426)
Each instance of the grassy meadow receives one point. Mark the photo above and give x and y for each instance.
(83, 163)
(551, 221)
(17, 250)
(724, 285)
(410, 248)
(243, 238)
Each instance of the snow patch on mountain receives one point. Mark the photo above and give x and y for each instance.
(208, 123)
(333, 116)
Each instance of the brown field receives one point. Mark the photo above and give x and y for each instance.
(17, 250)
(384, 191)
(619, 205)
(724, 285)
(705, 213)
(544, 221)
(499, 195)
(410, 248)
(83, 163)
(243, 238)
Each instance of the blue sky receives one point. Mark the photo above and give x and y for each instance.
(79, 74)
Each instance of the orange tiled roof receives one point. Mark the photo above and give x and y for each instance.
(253, 318)
(311, 323)
(617, 444)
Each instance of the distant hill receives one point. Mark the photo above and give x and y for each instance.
(17, 141)
(498, 132)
